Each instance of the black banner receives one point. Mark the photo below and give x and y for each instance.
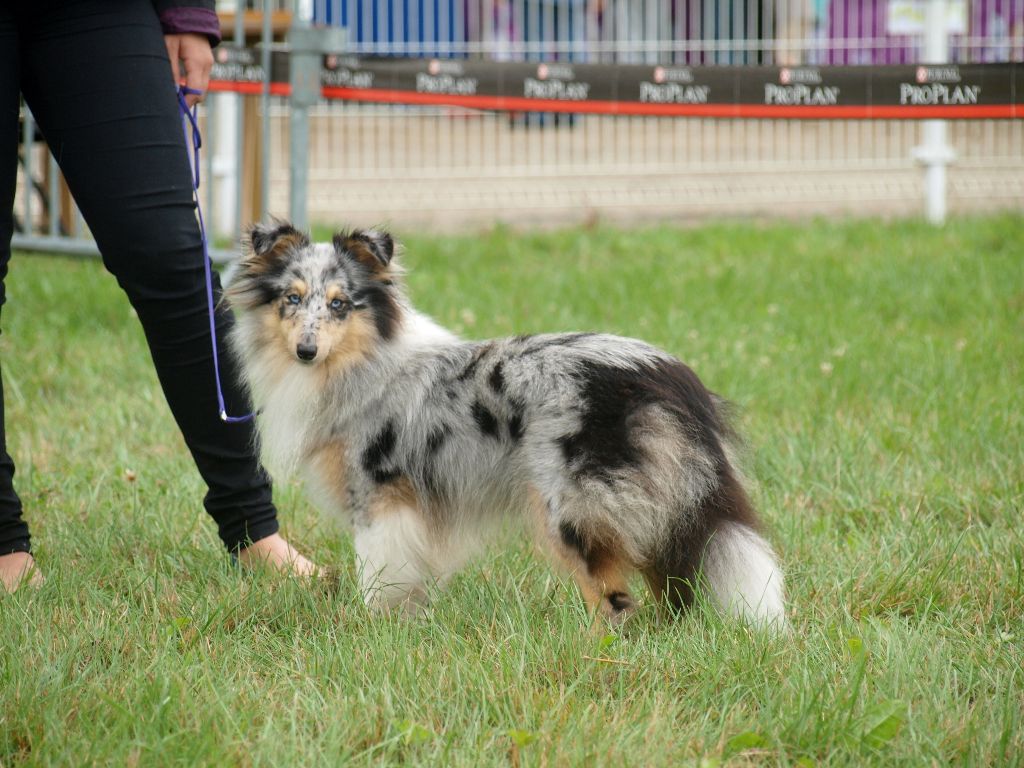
(953, 91)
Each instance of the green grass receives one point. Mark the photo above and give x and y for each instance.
(878, 371)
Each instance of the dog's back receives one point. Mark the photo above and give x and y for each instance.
(626, 458)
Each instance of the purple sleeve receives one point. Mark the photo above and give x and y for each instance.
(198, 21)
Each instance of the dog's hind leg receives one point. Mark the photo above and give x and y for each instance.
(394, 552)
(599, 567)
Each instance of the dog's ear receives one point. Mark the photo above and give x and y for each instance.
(269, 242)
(373, 248)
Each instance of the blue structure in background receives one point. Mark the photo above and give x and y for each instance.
(397, 21)
(435, 27)
(444, 22)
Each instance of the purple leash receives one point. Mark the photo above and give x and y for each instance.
(188, 116)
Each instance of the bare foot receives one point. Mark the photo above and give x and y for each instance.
(19, 569)
(277, 554)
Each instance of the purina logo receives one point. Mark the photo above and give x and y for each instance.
(334, 61)
(343, 77)
(555, 81)
(237, 64)
(438, 67)
(938, 86)
(560, 71)
(443, 77)
(228, 55)
(938, 74)
(805, 76)
(672, 75)
(800, 87)
(938, 94)
(673, 86)
(344, 72)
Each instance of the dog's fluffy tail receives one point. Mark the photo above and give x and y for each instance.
(743, 576)
(724, 553)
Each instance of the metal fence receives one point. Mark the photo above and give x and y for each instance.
(448, 167)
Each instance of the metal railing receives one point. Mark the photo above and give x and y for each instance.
(452, 167)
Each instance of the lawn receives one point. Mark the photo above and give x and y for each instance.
(878, 373)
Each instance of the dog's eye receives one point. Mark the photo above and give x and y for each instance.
(337, 303)
(293, 298)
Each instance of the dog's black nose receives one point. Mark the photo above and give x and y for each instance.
(306, 351)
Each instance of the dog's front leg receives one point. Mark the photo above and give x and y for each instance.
(393, 553)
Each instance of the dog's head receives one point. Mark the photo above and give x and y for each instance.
(318, 302)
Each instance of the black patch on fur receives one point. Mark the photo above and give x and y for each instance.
(588, 545)
(516, 421)
(534, 344)
(515, 427)
(384, 476)
(497, 379)
(386, 313)
(619, 601)
(377, 455)
(484, 419)
(428, 474)
(573, 540)
(262, 288)
(260, 293)
(436, 439)
(613, 397)
(471, 367)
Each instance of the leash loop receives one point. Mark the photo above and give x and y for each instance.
(189, 119)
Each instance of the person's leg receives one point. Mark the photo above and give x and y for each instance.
(15, 560)
(97, 78)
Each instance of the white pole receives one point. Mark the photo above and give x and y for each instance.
(227, 141)
(225, 172)
(934, 151)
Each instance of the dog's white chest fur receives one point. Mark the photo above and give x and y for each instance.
(286, 409)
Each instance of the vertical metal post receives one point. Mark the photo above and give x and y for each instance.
(307, 45)
(53, 186)
(27, 136)
(239, 125)
(268, 37)
(303, 66)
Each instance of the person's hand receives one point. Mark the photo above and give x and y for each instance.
(195, 53)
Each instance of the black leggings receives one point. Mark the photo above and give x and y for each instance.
(96, 76)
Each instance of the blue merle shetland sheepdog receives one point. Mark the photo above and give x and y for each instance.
(611, 451)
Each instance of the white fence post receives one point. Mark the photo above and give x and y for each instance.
(935, 152)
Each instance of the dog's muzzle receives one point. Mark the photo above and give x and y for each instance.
(306, 351)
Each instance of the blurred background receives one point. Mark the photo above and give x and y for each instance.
(444, 168)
